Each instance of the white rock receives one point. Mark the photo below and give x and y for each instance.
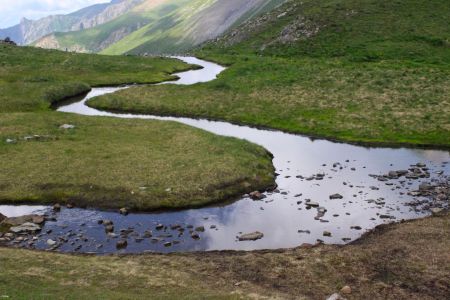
(67, 126)
(51, 242)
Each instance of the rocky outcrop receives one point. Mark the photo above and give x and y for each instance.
(29, 31)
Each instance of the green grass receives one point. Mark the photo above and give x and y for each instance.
(107, 162)
(375, 72)
(399, 261)
(31, 79)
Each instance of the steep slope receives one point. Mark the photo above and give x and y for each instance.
(189, 26)
(28, 31)
(161, 26)
(359, 29)
(375, 71)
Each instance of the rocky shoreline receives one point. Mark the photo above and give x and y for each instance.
(431, 197)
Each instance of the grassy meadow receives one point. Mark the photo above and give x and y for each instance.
(358, 71)
(106, 162)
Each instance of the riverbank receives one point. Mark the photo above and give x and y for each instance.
(398, 261)
(50, 157)
(345, 70)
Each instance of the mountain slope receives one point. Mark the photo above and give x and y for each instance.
(161, 26)
(28, 31)
(359, 29)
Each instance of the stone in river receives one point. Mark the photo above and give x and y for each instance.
(200, 229)
(168, 244)
(356, 227)
(256, 195)
(336, 196)
(123, 211)
(16, 221)
(195, 236)
(327, 233)
(424, 186)
(25, 228)
(38, 220)
(57, 207)
(312, 204)
(109, 228)
(121, 244)
(51, 242)
(251, 236)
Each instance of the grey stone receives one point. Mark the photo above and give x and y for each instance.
(251, 236)
(25, 228)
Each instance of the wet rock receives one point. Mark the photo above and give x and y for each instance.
(109, 228)
(147, 234)
(327, 233)
(57, 207)
(175, 226)
(123, 211)
(195, 236)
(107, 222)
(2, 218)
(304, 231)
(51, 242)
(39, 220)
(16, 221)
(256, 195)
(393, 174)
(336, 196)
(67, 126)
(25, 228)
(424, 187)
(356, 227)
(122, 244)
(168, 244)
(159, 227)
(200, 229)
(251, 236)
(70, 205)
(310, 203)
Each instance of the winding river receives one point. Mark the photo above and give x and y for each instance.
(283, 216)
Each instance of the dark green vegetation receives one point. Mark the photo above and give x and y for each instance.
(105, 162)
(361, 71)
(398, 261)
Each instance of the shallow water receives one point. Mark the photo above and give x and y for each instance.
(282, 214)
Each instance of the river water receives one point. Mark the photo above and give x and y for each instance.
(284, 217)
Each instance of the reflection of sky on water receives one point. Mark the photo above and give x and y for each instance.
(279, 216)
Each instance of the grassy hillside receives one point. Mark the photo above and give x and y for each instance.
(163, 26)
(361, 71)
(105, 162)
(399, 261)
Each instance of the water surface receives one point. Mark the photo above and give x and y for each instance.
(283, 215)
